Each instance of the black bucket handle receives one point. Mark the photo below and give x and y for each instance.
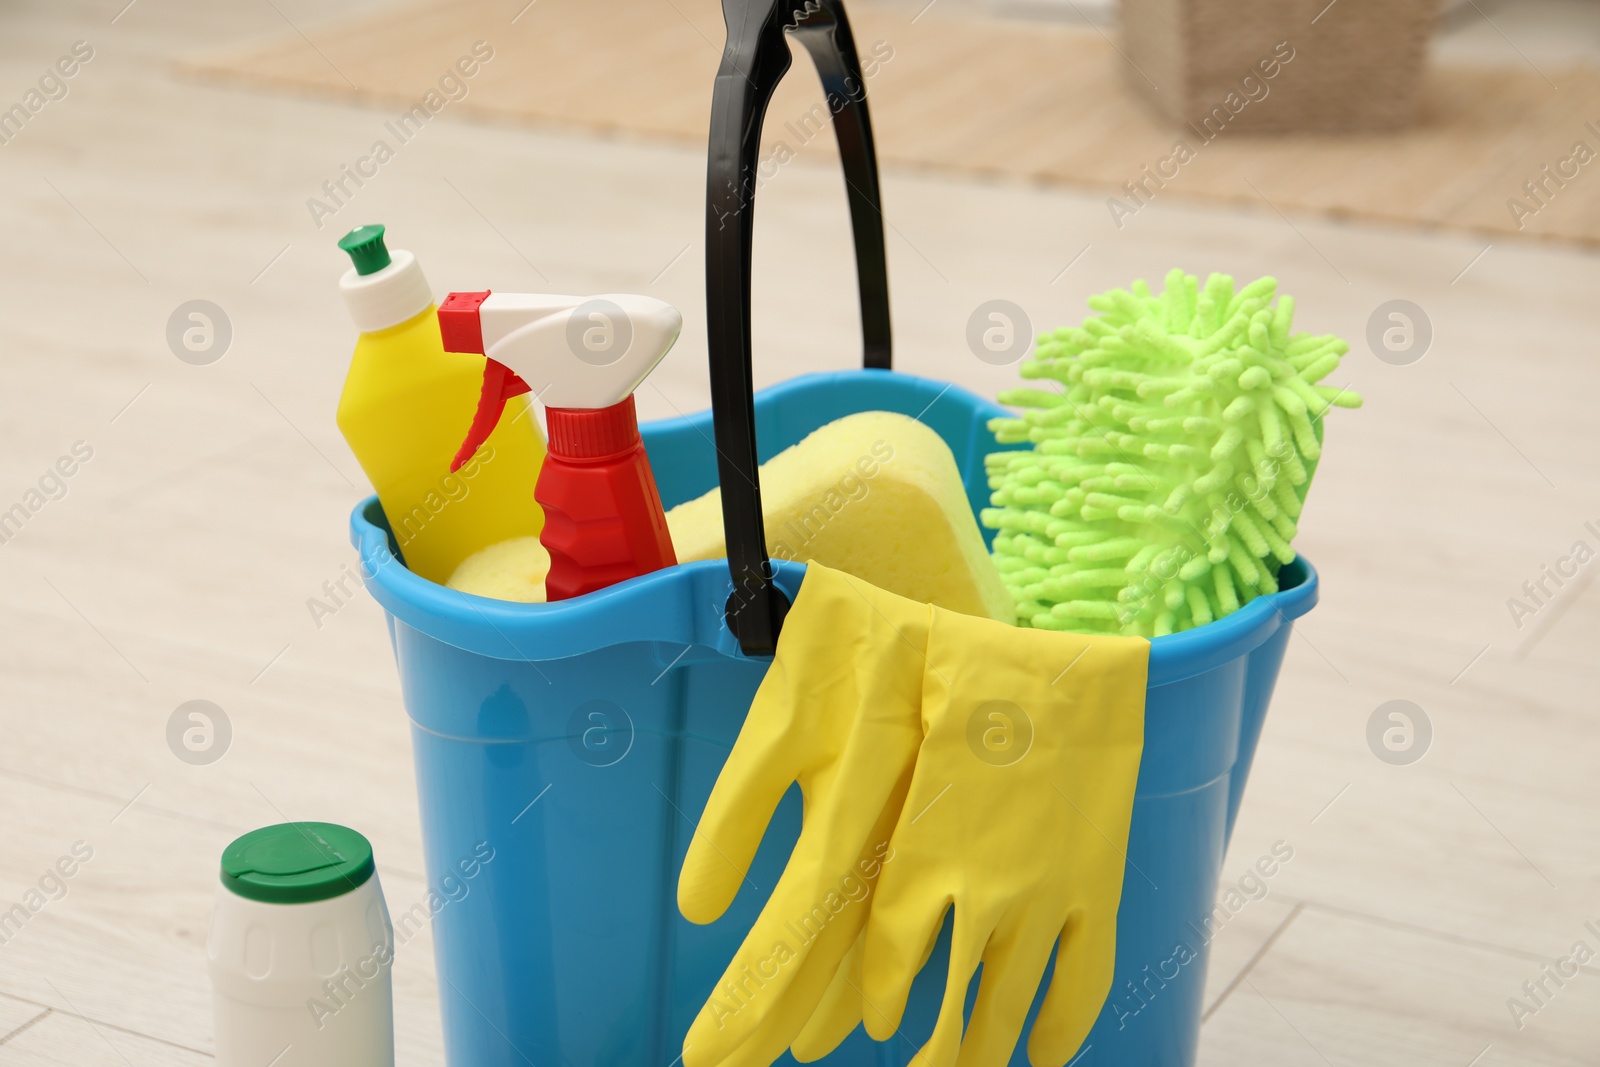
(753, 63)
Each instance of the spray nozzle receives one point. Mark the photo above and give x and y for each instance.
(583, 353)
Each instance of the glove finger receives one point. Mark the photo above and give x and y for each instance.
(1078, 989)
(792, 953)
(1013, 966)
(759, 770)
(901, 932)
(841, 1009)
(906, 918)
(838, 1013)
(774, 1012)
(966, 950)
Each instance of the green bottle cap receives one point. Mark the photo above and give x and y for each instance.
(366, 248)
(297, 863)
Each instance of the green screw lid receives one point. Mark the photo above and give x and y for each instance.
(297, 863)
(366, 248)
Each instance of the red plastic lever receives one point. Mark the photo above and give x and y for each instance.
(499, 385)
(461, 330)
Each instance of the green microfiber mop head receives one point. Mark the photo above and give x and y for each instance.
(1169, 468)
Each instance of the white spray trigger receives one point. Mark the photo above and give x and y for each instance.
(575, 351)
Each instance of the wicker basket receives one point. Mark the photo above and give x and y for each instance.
(1280, 65)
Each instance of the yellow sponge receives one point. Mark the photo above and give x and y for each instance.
(513, 569)
(876, 495)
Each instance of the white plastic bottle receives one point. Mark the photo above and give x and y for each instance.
(300, 951)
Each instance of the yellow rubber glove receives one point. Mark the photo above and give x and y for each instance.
(1018, 818)
(839, 712)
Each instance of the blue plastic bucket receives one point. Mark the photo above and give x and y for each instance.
(580, 740)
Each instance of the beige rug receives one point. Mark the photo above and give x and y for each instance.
(1010, 98)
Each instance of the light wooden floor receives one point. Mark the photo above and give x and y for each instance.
(179, 562)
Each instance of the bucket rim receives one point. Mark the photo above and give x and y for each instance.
(653, 608)
(682, 606)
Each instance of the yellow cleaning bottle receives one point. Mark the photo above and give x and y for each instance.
(406, 406)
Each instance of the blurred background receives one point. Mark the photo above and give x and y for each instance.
(1420, 175)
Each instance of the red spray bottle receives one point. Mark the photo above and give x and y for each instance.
(582, 357)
